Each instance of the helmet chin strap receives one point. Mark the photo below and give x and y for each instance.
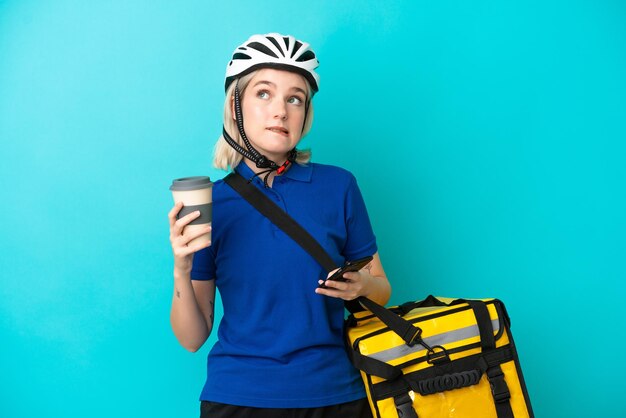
(251, 153)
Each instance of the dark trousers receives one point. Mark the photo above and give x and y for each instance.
(356, 409)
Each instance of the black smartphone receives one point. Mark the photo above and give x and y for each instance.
(355, 265)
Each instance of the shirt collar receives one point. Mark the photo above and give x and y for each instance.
(300, 172)
(296, 172)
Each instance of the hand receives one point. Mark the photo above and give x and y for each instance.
(355, 285)
(180, 238)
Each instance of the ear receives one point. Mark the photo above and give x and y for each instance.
(232, 107)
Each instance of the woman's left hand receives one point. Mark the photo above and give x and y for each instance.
(355, 285)
(370, 282)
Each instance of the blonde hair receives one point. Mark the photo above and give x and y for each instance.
(224, 156)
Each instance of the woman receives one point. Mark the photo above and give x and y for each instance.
(280, 346)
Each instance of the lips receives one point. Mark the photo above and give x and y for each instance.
(278, 129)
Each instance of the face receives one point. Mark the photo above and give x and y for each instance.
(273, 107)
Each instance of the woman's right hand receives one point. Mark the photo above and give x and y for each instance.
(180, 238)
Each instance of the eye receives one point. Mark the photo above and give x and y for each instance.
(263, 94)
(295, 100)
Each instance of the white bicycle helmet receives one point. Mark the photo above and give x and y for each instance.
(273, 50)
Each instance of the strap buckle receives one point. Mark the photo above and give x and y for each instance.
(499, 388)
(404, 406)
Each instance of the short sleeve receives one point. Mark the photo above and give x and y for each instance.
(361, 241)
(203, 267)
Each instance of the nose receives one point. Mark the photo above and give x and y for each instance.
(280, 110)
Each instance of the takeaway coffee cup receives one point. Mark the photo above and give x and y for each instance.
(195, 193)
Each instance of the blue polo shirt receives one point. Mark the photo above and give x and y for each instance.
(280, 345)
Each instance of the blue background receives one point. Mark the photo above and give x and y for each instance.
(487, 137)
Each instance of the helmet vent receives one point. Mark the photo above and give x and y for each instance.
(240, 56)
(262, 48)
(275, 42)
(296, 46)
(308, 55)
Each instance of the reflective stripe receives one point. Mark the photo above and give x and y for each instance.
(439, 339)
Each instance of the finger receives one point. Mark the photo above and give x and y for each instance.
(331, 273)
(173, 212)
(190, 236)
(336, 285)
(334, 293)
(352, 276)
(187, 219)
(201, 246)
(183, 249)
(183, 238)
(327, 291)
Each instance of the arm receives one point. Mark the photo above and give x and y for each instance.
(370, 282)
(191, 315)
(192, 311)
